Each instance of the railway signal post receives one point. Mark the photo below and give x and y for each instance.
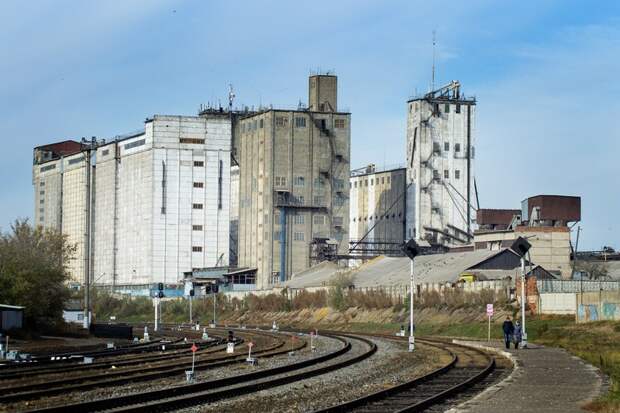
(521, 246)
(411, 249)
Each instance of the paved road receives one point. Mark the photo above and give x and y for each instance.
(546, 380)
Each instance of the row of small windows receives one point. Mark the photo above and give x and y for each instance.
(372, 181)
(75, 160)
(377, 217)
(199, 184)
(446, 148)
(446, 174)
(196, 227)
(48, 167)
(436, 107)
(199, 164)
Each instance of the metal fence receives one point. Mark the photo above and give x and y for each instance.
(576, 286)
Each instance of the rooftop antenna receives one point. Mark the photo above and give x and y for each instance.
(433, 73)
(231, 97)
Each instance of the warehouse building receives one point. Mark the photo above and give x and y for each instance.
(293, 183)
(143, 207)
(377, 210)
(441, 138)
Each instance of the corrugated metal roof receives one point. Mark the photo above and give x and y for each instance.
(387, 271)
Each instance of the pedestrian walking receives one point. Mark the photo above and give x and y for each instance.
(518, 334)
(509, 330)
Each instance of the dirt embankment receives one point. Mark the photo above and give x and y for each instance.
(327, 316)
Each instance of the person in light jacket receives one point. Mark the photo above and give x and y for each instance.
(517, 335)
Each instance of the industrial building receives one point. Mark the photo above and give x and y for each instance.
(293, 183)
(143, 208)
(377, 210)
(60, 179)
(441, 138)
(543, 220)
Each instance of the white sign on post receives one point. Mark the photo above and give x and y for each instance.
(230, 348)
(489, 315)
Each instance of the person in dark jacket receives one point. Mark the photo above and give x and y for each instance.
(509, 330)
(518, 334)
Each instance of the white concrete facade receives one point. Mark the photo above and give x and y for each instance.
(160, 202)
(60, 203)
(439, 162)
(377, 206)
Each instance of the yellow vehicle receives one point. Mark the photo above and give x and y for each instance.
(467, 277)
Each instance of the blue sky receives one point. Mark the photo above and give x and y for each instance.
(544, 74)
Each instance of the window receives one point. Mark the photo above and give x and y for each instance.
(196, 141)
(319, 182)
(135, 144)
(319, 200)
(436, 147)
(299, 219)
(254, 123)
(339, 123)
(197, 206)
(435, 174)
(338, 201)
(339, 183)
(446, 146)
(281, 121)
(457, 147)
(277, 234)
(199, 163)
(280, 181)
(458, 108)
(41, 210)
(337, 221)
(42, 183)
(199, 184)
(436, 108)
(388, 179)
(457, 174)
(355, 184)
(446, 174)
(298, 236)
(298, 181)
(371, 181)
(382, 179)
(48, 167)
(105, 152)
(300, 122)
(196, 227)
(366, 182)
(338, 236)
(300, 199)
(446, 108)
(41, 192)
(196, 249)
(318, 220)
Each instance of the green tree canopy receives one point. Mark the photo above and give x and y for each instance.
(33, 272)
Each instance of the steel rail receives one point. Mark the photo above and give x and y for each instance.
(209, 391)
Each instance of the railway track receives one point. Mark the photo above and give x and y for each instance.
(213, 390)
(176, 366)
(467, 367)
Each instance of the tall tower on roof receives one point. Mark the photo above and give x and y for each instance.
(323, 93)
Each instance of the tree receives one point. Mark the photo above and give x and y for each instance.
(595, 270)
(33, 272)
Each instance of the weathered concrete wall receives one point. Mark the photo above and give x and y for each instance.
(557, 303)
(598, 306)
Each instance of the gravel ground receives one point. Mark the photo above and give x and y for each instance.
(323, 346)
(391, 365)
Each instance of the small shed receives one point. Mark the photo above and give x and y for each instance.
(11, 317)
